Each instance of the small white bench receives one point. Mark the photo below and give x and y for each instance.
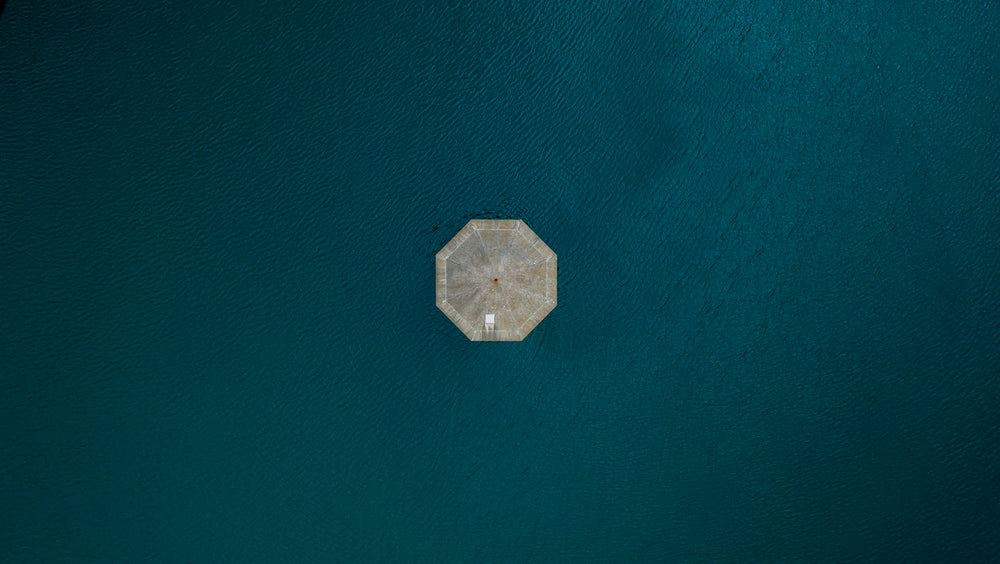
(490, 321)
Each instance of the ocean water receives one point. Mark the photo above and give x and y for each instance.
(777, 333)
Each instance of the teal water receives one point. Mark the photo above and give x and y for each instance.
(777, 331)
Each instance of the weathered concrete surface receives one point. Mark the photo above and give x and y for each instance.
(496, 266)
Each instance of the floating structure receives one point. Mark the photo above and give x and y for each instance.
(496, 280)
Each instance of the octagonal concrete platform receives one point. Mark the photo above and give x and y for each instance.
(496, 280)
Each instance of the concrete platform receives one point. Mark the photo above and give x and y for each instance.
(497, 268)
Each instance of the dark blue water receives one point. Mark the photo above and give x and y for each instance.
(777, 334)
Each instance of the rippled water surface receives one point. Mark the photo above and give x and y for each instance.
(777, 331)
